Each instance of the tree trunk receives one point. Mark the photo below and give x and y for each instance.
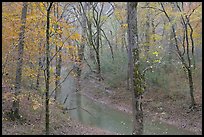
(153, 30)
(38, 75)
(58, 73)
(47, 81)
(58, 60)
(190, 78)
(98, 65)
(92, 54)
(147, 33)
(170, 48)
(98, 53)
(15, 107)
(128, 76)
(81, 47)
(181, 55)
(134, 73)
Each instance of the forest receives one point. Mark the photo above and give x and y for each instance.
(101, 68)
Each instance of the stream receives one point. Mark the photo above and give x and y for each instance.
(99, 115)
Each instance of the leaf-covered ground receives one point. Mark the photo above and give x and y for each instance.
(170, 108)
(33, 117)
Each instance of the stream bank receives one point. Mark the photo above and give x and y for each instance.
(156, 105)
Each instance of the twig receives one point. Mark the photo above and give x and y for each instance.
(48, 9)
(87, 111)
(153, 8)
(66, 99)
(108, 43)
(80, 108)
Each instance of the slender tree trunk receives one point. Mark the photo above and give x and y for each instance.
(90, 35)
(47, 71)
(95, 43)
(98, 65)
(135, 76)
(98, 53)
(170, 49)
(38, 75)
(147, 33)
(190, 78)
(15, 107)
(58, 73)
(116, 42)
(181, 55)
(81, 47)
(124, 42)
(92, 54)
(91, 46)
(153, 30)
(128, 76)
(108, 42)
(58, 60)
(39, 65)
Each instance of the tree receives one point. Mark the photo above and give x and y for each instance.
(58, 57)
(15, 108)
(134, 71)
(95, 18)
(187, 37)
(47, 80)
(81, 45)
(181, 26)
(120, 14)
(147, 33)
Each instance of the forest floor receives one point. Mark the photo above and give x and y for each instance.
(33, 117)
(156, 104)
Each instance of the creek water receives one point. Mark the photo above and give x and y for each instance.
(99, 115)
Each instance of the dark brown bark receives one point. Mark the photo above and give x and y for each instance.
(15, 107)
(98, 53)
(47, 71)
(190, 79)
(134, 73)
(98, 65)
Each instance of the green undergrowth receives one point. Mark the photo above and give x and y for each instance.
(114, 71)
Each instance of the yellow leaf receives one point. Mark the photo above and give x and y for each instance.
(75, 36)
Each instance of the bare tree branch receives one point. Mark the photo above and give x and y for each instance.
(108, 43)
(48, 9)
(61, 82)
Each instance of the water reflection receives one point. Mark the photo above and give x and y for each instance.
(78, 103)
(99, 115)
